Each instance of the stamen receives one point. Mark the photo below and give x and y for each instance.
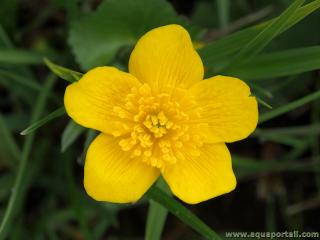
(158, 131)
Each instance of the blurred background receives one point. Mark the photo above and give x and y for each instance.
(277, 167)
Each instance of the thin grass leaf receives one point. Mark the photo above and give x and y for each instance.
(20, 181)
(223, 7)
(21, 80)
(181, 212)
(57, 113)
(308, 130)
(248, 166)
(20, 56)
(263, 103)
(62, 72)
(218, 54)
(280, 64)
(258, 43)
(289, 107)
(157, 215)
(70, 135)
(8, 142)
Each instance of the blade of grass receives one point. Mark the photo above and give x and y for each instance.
(308, 130)
(20, 56)
(181, 212)
(218, 53)
(289, 107)
(21, 80)
(74, 199)
(280, 64)
(57, 113)
(8, 141)
(157, 215)
(62, 72)
(19, 181)
(258, 43)
(223, 12)
(70, 134)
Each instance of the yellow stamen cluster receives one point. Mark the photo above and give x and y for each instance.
(157, 126)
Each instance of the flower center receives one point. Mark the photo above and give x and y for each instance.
(157, 127)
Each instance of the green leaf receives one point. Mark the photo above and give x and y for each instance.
(20, 56)
(280, 64)
(181, 212)
(157, 215)
(8, 144)
(62, 72)
(20, 180)
(96, 39)
(308, 130)
(223, 7)
(218, 54)
(263, 103)
(30, 83)
(57, 113)
(258, 43)
(70, 135)
(289, 107)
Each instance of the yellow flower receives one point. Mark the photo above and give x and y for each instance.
(161, 118)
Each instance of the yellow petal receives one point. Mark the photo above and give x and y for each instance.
(111, 175)
(90, 102)
(164, 58)
(196, 179)
(226, 107)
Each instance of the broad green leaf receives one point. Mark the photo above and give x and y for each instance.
(279, 64)
(259, 42)
(289, 107)
(218, 54)
(20, 56)
(62, 72)
(57, 113)
(96, 39)
(157, 215)
(70, 134)
(181, 212)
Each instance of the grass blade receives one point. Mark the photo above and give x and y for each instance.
(62, 72)
(7, 141)
(272, 30)
(18, 185)
(287, 108)
(218, 54)
(181, 212)
(223, 12)
(19, 56)
(280, 64)
(57, 113)
(157, 215)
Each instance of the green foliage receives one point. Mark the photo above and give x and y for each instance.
(96, 39)
(57, 113)
(280, 74)
(279, 64)
(62, 72)
(176, 208)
